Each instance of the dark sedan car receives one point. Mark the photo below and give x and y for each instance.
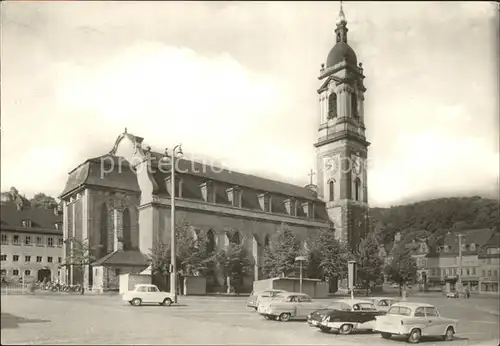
(314, 318)
(353, 315)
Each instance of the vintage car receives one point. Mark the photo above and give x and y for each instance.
(314, 318)
(353, 315)
(287, 306)
(452, 294)
(256, 297)
(382, 303)
(415, 320)
(147, 294)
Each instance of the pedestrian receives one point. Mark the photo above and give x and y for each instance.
(467, 293)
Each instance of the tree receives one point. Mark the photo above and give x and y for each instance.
(331, 254)
(80, 254)
(192, 255)
(279, 258)
(370, 265)
(42, 201)
(234, 264)
(402, 268)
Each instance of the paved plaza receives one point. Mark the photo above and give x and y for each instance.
(66, 319)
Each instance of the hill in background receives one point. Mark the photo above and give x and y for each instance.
(434, 218)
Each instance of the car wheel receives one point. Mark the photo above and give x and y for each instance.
(386, 335)
(267, 317)
(345, 329)
(450, 333)
(325, 329)
(415, 336)
(284, 317)
(255, 309)
(136, 302)
(167, 302)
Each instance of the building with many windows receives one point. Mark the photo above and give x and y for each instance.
(489, 265)
(31, 240)
(444, 260)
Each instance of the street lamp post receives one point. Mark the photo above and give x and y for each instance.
(300, 259)
(173, 265)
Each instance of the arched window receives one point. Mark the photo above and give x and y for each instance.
(354, 105)
(236, 238)
(357, 189)
(211, 241)
(266, 241)
(332, 106)
(104, 230)
(331, 189)
(127, 230)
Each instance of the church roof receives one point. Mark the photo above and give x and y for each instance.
(123, 258)
(42, 220)
(122, 177)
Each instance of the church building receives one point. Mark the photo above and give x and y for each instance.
(120, 202)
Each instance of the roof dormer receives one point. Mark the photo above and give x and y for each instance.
(26, 223)
(234, 196)
(58, 225)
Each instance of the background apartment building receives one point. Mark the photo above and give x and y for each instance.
(31, 241)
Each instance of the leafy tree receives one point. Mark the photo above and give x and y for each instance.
(80, 254)
(370, 265)
(402, 268)
(331, 254)
(234, 263)
(192, 254)
(42, 201)
(279, 258)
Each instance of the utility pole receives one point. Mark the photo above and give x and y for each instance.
(460, 235)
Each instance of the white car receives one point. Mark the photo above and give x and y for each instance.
(415, 320)
(147, 294)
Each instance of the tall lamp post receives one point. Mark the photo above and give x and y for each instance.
(300, 259)
(459, 281)
(177, 151)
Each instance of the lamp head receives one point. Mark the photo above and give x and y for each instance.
(179, 151)
(166, 152)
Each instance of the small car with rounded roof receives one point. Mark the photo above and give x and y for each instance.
(147, 294)
(415, 320)
(382, 303)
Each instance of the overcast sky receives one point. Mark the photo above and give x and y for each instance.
(236, 83)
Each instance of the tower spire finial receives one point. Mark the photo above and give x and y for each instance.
(341, 31)
(341, 15)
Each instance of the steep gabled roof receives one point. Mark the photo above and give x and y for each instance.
(42, 220)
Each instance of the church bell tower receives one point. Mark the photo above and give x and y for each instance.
(341, 147)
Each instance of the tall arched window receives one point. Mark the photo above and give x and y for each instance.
(354, 105)
(357, 189)
(332, 106)
(331, 190)
(236, 238)
(211, 241)
(127, 230)
(266, 241)
(104, 230)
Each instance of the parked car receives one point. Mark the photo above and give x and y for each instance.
(288, 305)
(395, 285)
(354, 315)
(415, 320)
(147, 294)
(314, 318)
(255, 297)
(382, 303)
(453, 294)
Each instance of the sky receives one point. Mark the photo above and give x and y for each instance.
(235, 83)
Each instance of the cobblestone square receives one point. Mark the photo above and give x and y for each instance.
(64, 319)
